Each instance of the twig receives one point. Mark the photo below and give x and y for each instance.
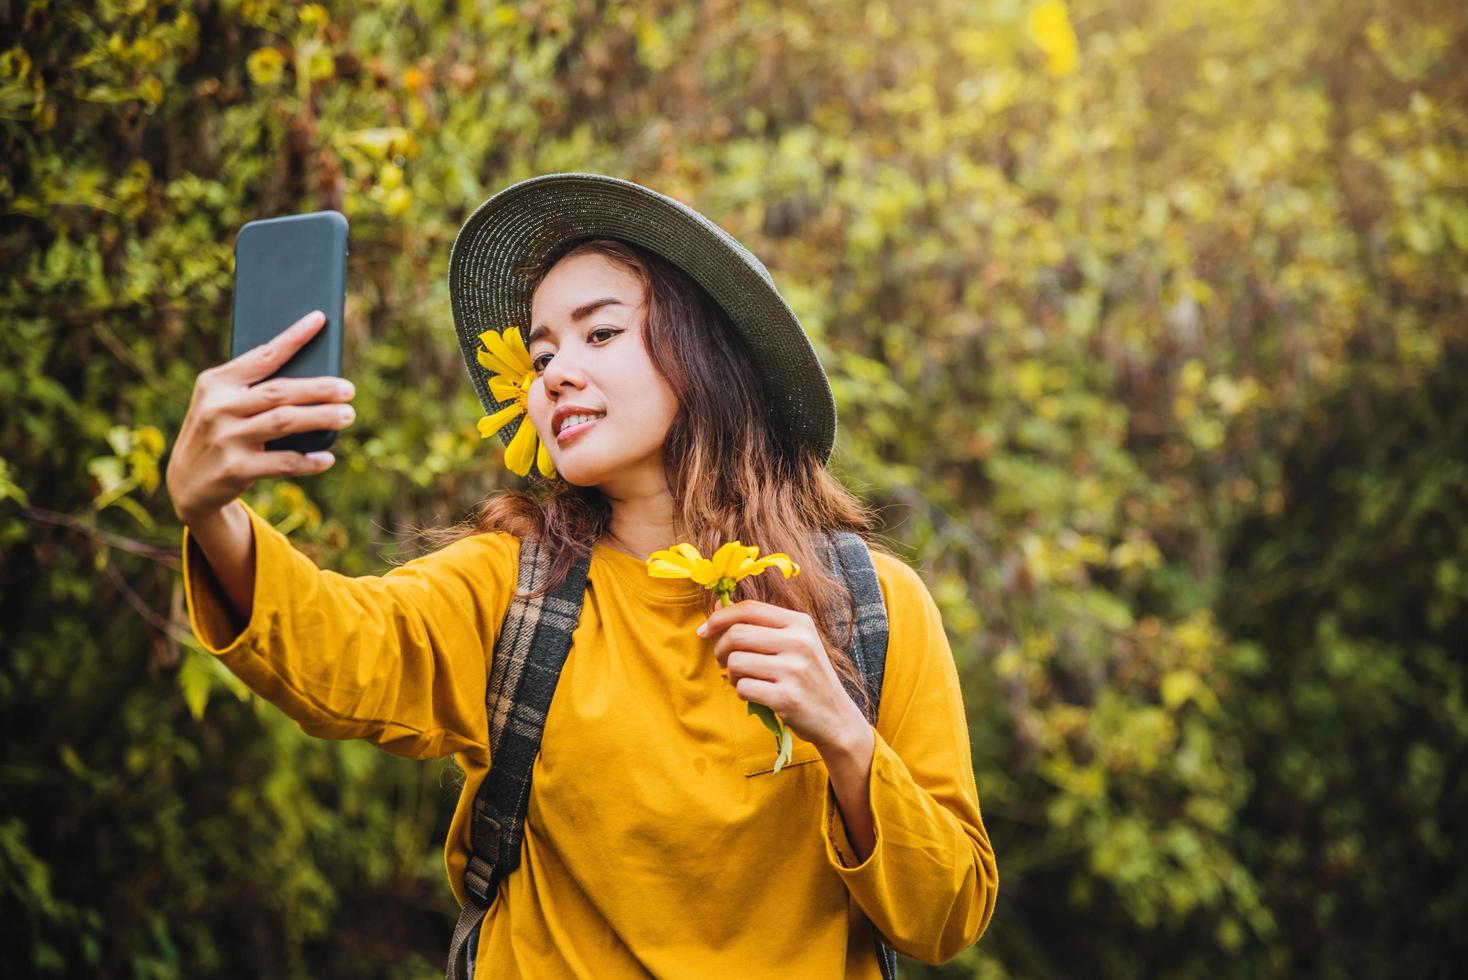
(163, 554)
(136, 601)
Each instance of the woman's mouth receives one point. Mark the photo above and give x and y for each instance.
(576, 424)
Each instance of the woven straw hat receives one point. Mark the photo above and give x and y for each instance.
(525, 222)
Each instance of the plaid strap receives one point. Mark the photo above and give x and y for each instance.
(534, 641)
(847, 554)
(868, 647)
(532, 647)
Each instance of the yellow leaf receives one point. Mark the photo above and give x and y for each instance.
(398, 202)
(1050, 29)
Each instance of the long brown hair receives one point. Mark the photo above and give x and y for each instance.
(730, 473)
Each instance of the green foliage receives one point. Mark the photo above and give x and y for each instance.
(1143, 321)
(1362, 699)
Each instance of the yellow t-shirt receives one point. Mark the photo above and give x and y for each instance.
(657, 839)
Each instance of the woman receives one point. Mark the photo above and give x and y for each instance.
(670, 397)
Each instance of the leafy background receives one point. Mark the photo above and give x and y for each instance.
(1146, 326)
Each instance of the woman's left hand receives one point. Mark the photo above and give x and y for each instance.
(774, 656)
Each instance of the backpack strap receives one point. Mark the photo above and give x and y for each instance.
(852, 562)
(533, 643)
(847, 554)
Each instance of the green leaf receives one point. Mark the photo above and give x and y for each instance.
(765, 715)
(787, 746)
(195, 682)
(136, 509)
(784, 741)
(9, 489)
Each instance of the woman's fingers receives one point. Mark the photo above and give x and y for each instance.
(286, 462)
(766, 666)
(236, 408)
(290, 391)
(748, 611)
(263, 361)
(746, 636)
(287, 419)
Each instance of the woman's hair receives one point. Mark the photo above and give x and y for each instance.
(730, 473)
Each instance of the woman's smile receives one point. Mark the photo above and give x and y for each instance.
(575, 425)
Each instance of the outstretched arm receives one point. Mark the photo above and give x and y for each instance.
(399, 659)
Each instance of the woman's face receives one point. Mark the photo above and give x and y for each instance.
(595, 363)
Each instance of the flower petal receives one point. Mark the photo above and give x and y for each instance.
(504, 388)
(728, 558)
(675, 556)
(499, 348)
(662, 568)
(508, 350)
(704, 572)
(491, 424)
(492, 354)
(743, 568)
(519, 353)
(543, 461)
(490, 363)
(776, 560)
(521, 451)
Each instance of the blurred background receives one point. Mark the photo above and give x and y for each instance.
(1146, 323)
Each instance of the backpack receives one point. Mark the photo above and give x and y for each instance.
(533, 643)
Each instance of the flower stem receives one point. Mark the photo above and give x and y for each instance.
(772, 721)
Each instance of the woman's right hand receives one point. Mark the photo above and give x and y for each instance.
(220, 450)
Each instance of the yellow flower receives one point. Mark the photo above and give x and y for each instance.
(731, 563)
(512, 375)
(265, 66)
(313, 15)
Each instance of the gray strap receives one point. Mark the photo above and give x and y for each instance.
(853, 562)
(886, 959)
(461, 949)
(528, 655)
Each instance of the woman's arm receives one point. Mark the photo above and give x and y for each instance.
(399, 660)
(850, 770)
(228, 543)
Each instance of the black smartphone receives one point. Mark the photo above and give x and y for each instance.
(283, 269)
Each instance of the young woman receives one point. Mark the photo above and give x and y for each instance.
(670, 397)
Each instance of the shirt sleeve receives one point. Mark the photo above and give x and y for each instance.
(930, 882)
(399, 659)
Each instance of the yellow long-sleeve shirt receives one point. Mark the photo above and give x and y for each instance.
(657, 840)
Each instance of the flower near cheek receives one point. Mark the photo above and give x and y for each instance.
(512, 374)
(731, 563)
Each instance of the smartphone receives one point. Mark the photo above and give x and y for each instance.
(283, 269)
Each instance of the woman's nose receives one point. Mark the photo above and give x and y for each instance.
(562, 372)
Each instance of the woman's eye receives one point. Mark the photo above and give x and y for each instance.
(539, 362)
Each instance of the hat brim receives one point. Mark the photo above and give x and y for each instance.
(519, 226)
